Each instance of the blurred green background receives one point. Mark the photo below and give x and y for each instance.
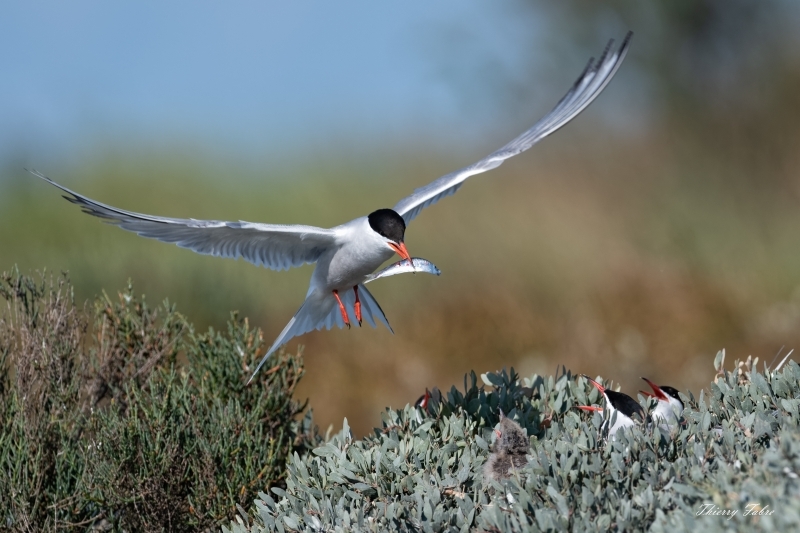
(660, 226)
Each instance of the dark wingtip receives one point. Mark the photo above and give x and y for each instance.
(605, 53)
(627, 39)
(623, 48)
(37, 174)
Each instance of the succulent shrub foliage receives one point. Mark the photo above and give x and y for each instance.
(121, 417)
(738, 448)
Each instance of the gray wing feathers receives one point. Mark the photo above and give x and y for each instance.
(588, 86)
(273, 246)
(370, 308)
(321, 311)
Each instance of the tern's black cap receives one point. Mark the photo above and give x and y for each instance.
(671, 391)
(388, 223)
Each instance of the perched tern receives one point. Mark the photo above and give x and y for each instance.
(422, 401)
(345, 255)
(621, 410)
(669, 407)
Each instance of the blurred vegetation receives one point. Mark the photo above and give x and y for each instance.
(101, 429)
(737, 449)
(639, 250)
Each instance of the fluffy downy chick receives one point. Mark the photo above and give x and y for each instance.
(508, 451)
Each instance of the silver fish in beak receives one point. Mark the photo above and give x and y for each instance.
(404, 266)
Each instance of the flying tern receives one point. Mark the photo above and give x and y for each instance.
(345, 255)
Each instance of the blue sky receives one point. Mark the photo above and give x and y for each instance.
(248, 77)
(229, 73)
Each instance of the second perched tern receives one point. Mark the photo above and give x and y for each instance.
(669, 407)
(622, 410)
(345, 255)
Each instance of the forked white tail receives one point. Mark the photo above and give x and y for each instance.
(320, 310)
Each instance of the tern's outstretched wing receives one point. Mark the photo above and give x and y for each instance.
(583, 92)
(278, 247)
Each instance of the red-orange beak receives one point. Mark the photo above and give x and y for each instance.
(423, 402)
(401, 250)
(596, 384)
(591, 408)
(657, 390)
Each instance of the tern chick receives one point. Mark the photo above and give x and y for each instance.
(509, 450)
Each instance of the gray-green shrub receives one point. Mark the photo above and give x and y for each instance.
(739, 447)
(101, 426)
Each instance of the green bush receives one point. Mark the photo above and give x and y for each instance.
(126, 419)
(421, 471)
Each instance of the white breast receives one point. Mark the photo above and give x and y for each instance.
(360, 252)
(621, 422)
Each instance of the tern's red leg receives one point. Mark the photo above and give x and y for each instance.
(342, 309)
(357, 306)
